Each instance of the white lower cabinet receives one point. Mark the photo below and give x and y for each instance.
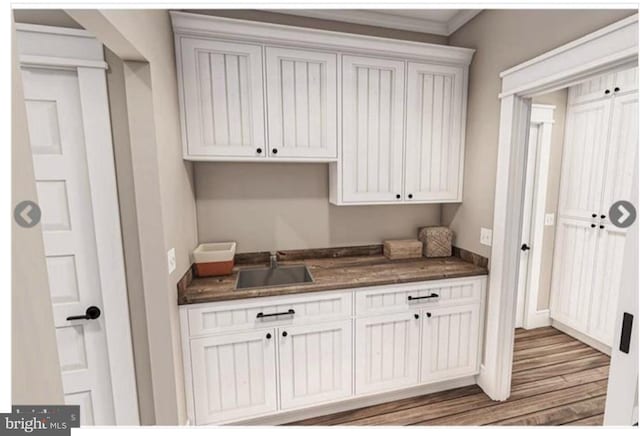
(387, 352)
(234, 376)
(315, 363)
(242, 366)
(450, 339)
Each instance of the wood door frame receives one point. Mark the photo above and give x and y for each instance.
(77, 50)
(542, 116)
(612, 48)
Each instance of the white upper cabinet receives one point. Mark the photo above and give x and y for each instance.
(388, 115)
(373, 117)
(434, 132)
(301, 103)
(223, 110)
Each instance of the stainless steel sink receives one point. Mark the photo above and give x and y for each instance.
(280, 276)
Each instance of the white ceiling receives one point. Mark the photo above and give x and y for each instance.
(436, 21)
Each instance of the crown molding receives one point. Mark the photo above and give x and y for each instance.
(388, 19)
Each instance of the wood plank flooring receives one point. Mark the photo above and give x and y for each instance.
(556, 380)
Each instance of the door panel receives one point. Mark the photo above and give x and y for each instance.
(302, 102)
(57, 138)
(434, 117)
(572, 275)
(387, 352)
(584, 152)
(450, 342)
(592, 89)
(373, 113)
(223, 98)
(315, 363)
(236, 376)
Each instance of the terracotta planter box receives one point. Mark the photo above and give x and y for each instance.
(214, 259)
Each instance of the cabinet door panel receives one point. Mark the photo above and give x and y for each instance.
(434, 140)
(373, 114)
(450, 339)
(223, 98)
(572, 275)
(627, 80)
(302, 103)
(621, 152)
(234, 376)
(387, 352)
(315, 363)
(582, 161)
(606, 284)
(591, 89)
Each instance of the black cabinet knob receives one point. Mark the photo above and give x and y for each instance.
(268, 335)
(416, 316)
(616, 89)
(601, 226)
(284, 334)
(274, 151)
(593, 226)
(259, 150)
(398, 196)
(606, 91)
(603, 216)
(428, 314)
(593, 215)
(410, 196)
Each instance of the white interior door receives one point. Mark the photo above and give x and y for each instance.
(52, 99)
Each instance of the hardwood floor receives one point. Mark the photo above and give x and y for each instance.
(557, 380)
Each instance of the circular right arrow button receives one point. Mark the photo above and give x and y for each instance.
(622, 214)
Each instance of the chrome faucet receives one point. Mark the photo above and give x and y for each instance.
(273, 258)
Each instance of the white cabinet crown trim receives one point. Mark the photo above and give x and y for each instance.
(194, 25)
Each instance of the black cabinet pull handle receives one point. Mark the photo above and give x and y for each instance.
(398, 196)
(265, 315)
(284, 334)
(428, 314)
(92, 312)
(274, 151)
(607, 91)
(259, 150)
(432, 295)
(416, 316)
(268, 335)
(625, 335)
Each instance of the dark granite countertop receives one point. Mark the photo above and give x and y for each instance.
(339, 271)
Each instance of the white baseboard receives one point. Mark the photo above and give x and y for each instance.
(355, 403)
(540, 318)
(581, 337)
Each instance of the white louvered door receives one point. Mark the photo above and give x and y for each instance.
(236, 376)
(301, 103)
(223, 98)
(315, 363)
(450, 339)
(372, 129)
(387, 352)
(434, 141)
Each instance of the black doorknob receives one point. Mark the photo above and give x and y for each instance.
(525, 247)
(92, 312)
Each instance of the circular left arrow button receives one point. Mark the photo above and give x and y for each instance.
(27, 214)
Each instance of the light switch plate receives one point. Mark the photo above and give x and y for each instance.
(171, 260)
(485, 236)
(549, 219)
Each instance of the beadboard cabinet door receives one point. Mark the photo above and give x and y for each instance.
(372, 129)
(236, 376)
(433, 157)
(584, 151)
(223, 98)
(301, 103)
(387, 352)
(572, 278)
(315, 363)
(450, 341)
